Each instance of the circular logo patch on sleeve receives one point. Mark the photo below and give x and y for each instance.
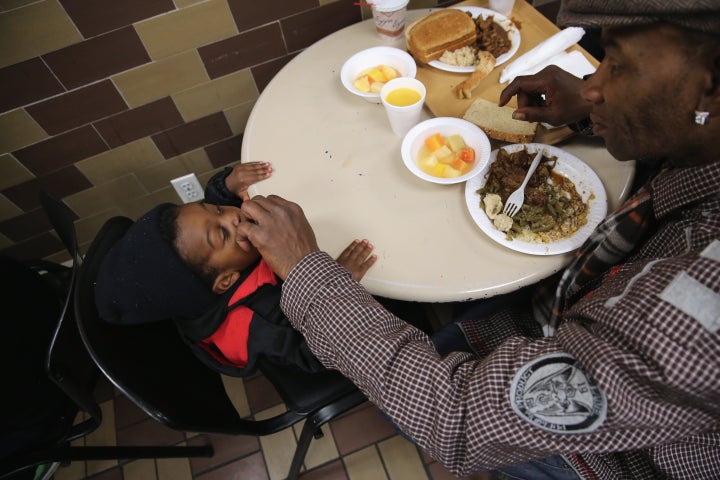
(553, 393)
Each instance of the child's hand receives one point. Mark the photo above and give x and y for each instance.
(244, 175)
(356, 258)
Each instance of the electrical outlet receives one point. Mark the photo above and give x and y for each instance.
(188, 188)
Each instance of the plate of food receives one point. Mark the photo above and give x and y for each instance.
(564, 200)
(500, 37)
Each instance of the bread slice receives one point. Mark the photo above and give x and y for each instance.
(487, 63)
(497, 122)
(446, 29)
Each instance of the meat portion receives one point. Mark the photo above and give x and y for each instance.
(508, 172)
(491, 37)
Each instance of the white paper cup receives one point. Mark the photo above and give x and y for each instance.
(389, 16)
(503, 7)
(403, 118)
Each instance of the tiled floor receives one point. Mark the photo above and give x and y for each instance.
(359, 445)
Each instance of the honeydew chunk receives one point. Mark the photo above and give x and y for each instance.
(444, 154)
(456, 143)
(427, 162)
(451, 172)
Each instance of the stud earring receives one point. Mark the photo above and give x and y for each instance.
(701, 118)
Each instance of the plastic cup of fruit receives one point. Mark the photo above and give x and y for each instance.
(403, 99)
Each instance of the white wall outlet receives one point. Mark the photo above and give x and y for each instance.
(188, 188)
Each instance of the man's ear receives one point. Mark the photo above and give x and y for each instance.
(224, 281)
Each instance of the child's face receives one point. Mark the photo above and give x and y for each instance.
(209, 233)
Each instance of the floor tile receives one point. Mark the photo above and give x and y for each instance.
(248, 468)
(359, 429)
(331, 471)
(402, 459)
(226, 447)
(365, 464)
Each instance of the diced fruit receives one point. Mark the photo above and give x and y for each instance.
(439, 170)
(428, 162)
(376, 75)
(444, 154)
(434, 142)
(451, 172)
(362, 84)
(389, 72)
(375, 87)
(457, 163)
(467, 155)
(456, 143)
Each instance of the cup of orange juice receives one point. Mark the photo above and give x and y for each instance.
(403, 99)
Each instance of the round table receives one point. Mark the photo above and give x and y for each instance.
(335, 155)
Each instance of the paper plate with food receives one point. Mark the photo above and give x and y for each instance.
(564, 200)
(452, 42)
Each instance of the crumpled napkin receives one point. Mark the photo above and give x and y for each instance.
(551, 52)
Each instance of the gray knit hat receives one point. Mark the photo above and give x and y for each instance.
(700, 15)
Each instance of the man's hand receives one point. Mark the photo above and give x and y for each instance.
(551, 96)
(245, 174)
(279, 230)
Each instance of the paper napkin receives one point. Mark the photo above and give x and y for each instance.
(551, 51)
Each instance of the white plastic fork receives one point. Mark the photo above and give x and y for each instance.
(517, 198)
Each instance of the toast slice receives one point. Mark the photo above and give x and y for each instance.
(446, 29)
(497, 122)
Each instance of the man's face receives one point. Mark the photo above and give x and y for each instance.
(644, 94)
(209, 234)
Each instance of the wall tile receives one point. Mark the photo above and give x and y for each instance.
(120, 161)
(252, 14)
(76, 108)
(97, 58)
(162, 78)
(5, 242)
(6, 5)
(13, 172)
(225, 152)
(238, 116)
(192, 135)
(61, 182)
(216, 95)
(87, 227)
(34, 30)
(61, 150)
(159, 175)
(186, 3)
(26, 225)
(188, 28)
(244, 50)
(26, 82)
(139, 122)
(135, 207)
(8, 209)
(103, 197)
(304, 29)
(100, 16)
(18, 130)
(36, 247)
(265, 72)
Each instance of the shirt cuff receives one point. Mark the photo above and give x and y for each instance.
(303, 284)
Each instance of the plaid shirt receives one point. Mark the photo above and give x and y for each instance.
(648, 335)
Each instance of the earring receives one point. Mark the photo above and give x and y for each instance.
(701, 118)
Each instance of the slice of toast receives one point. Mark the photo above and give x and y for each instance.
(497, 122)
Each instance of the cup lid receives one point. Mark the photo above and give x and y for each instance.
(389, 5)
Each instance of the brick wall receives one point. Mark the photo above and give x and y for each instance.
(102, 102)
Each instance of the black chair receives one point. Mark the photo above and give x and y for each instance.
(154, 368)
(70, 373)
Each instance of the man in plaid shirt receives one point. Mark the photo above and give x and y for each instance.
(625, 384)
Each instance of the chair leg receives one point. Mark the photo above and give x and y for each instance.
(314, 422)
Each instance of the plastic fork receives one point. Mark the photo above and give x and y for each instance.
(517, 198)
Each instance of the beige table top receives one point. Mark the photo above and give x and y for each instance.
(335, 155)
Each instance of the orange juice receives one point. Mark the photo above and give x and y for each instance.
(403, 97)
